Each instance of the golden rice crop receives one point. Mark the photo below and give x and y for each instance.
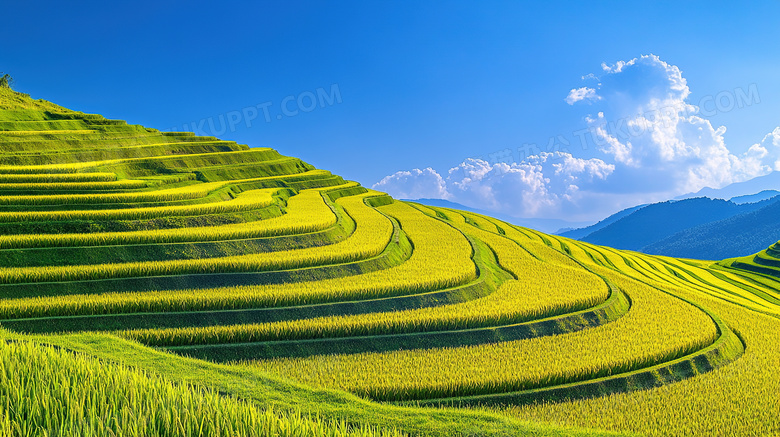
(53, 392)
(541, 290)
(186, 192)
(178, 147)
(56, 177)
(192, 191)
(371, 236)
(669, 272)
(764, 288)
(47, 132)
(734, 401)
(554, 288)
(441, 259)
(657, 327)
(72, 167)
(533, 243)
(245, 201)
(124, 184)
(306, 212)
(703, 277)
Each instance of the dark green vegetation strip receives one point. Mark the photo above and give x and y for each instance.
(755, 268)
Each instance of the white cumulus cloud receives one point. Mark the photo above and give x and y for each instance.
(652, 144)
(656, 137)
(549, 183)
(584, 93)
(415, 184)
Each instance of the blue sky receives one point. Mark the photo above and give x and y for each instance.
(428, 85)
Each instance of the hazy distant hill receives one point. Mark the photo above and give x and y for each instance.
(660, 221)
(752, 198)
(735, 236)
(755, 185)
(579, 233)
(544, 225)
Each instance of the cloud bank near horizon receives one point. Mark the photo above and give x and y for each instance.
(653, 144)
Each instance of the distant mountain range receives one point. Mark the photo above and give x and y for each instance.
(737, 220)
(770, 182)
(580, 233)
(739, 235)
(750, 198)
(545, 225)
(699, 228)
(647, 227)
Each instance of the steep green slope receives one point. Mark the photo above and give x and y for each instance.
(263, 292)
(95, 209)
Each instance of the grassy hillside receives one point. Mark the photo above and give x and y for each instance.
(255, 295)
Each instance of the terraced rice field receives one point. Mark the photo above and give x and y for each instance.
(192, 286)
